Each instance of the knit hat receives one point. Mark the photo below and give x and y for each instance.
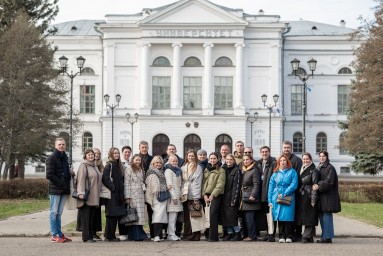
(201, 152)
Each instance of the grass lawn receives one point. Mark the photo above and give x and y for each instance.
(371, 213)
(9, 208)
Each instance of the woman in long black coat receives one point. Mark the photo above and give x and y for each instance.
(329, 200)
(115, 206)
(307, 198)
(231, 199)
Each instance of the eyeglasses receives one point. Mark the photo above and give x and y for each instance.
(248, 152)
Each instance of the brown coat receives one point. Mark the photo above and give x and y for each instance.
(88, 175)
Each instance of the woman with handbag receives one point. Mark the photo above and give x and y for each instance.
(250, 199)
(329, 200)
(135, 187)
(113, 179)
(88, 178)
(214, 179)
(307, 198)
(173, 176)
(191, 194)
(231, 199)
(157, 195)
(283, 184)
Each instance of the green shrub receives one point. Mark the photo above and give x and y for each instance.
(23, 189)
(361, 192)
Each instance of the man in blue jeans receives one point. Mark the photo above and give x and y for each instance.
(59, 175)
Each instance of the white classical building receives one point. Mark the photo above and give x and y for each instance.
(192, 69)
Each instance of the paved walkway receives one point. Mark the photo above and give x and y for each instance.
(37, 224)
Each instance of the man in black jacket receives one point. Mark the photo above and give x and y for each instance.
(59, 174)
(296, 163)
(266, 165)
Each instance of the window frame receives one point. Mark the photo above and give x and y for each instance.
(161, 100)
(320, 142)
(88, 101)
(223, 93)
(192, 93)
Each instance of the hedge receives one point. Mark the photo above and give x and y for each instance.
(23, 189)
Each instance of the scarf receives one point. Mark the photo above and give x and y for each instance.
(175, 169)
(161, 178)
(99, 165)
(203, 164)
(64, 160)
(244, 168)
(211, 167)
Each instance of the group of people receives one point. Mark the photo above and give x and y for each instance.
(197, 194)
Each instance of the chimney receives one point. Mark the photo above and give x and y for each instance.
(342, 23)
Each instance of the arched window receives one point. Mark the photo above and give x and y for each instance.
(192, 62)
(192, 141)
(161, 62)
(321, 142)
(342, 150)
(300, 71)
(297, 142)
(345, 71)
(65, 136)
(160, 143)
(223, 62)
(88, 72)
(221, 140)
(87, 140)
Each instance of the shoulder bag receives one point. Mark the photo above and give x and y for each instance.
(195, 209)
(163, 196)
(286, 200)
(130, 216)
(87, 190)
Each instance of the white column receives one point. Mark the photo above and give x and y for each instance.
(239, 82)
(176, 87)
(109, 68)
(145, 104)
(208, 87)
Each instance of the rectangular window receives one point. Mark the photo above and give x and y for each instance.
(161, 91)
(87, 99)
(344, 170)
(223, 92)
(343, 91)
(40, 168)
(192, 92)
(296, 99)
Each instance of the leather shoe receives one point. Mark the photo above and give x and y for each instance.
(325, 241)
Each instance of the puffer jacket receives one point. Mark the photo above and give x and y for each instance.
(57, 172)
(214, 179)
(329, 200)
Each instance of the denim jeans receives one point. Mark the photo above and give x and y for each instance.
(57, 203)
(233, 229)
(327, 225)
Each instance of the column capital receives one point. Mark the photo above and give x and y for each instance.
(208, 45)
(241, 44)
(176, 44)
(145, 44)
(110, 45)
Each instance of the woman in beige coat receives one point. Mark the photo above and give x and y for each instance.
(88, 177)
(156, 183)
(134, 187)
(173, 176)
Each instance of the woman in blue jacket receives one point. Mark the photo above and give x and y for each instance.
(283, 182)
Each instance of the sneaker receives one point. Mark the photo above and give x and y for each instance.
(57, 239)
(173, 238)
(67, 239)
(157, 239)
(97, 238)
(288, 240)
(282, 240)
(123, 238)
(271, 239)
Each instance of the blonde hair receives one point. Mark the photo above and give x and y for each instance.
(156, 159)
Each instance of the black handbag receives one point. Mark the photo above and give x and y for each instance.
(286, 200)
(130, 216)
(163, 196)
(87, 190)
(246, 196)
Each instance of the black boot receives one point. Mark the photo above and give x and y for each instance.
(236, 237)
(228, 237)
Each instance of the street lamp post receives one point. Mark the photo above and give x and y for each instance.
(251, 120)
(63, 66)
(112, 107)
(132, 121)
(270, 108)
(304, 77)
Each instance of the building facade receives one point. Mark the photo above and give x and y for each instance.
(192, 78)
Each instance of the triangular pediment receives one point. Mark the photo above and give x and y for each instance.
(193, 12)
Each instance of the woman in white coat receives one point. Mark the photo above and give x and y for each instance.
(134, 186)
(173, 176)
(156, 183)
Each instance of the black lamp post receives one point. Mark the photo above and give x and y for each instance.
(304, 77)
(112, 107)
(251, 120)
(63, 65)
(132, 121)
(270, 108)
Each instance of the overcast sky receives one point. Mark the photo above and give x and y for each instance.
(325, 11)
